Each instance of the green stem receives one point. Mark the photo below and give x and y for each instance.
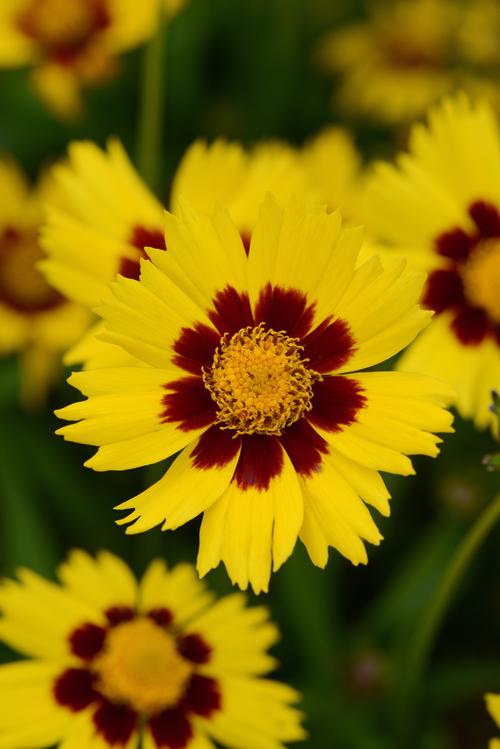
(152, 107)
(414, 665)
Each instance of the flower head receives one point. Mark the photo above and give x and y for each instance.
(71, 43)
(250, 362)
(440, 207)
(406, 55)
(105, 216)
(111, 660)
(493, 705)
(36, 322)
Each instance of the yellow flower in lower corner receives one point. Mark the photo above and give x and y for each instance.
(105, 216)
(36, 322)
(493, 705)
(113, 661)
(250, 367)
(71, 43)
(440, 208)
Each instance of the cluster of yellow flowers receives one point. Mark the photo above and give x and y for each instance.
(237, 332)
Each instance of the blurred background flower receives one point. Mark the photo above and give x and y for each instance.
(36, 322)
(71, 44)
(246, 74)
(157, 663)
(407, 53)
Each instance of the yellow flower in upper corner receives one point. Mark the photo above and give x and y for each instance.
(106, 216)
(404, 57)
(71, 44)
(440, 207)
(174, 6)
(493, 705)
(113, 662)
(36, 322)
(250, 368)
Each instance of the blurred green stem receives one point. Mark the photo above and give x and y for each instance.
(151, 115)
(415, 663)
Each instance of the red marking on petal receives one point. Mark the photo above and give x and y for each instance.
(171, 728)
(304, 447)
(190, 404)
(87, 641)
(118, 614)
(115, 723)
(194, 648)
(161, 616)
(140, 237)
(336, 402)
(130, 268)
(74, 689)
(246, 238)
(203, 696)
(143, 237)
(486, 217)
(471, 325)
(215, 448)
(284, 309)
(231, 311)
(455, 244)
(444, 289)
(261, 460)
(329, 346)
(195, 348)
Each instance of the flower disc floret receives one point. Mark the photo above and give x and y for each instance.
(482, 277)
(141, 666)
(260, 381)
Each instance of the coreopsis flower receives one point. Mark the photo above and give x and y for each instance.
(106, 216)
(112, 662)
(70, 44)
(250, 370)
(36, 322)
(493, 705)
(440, 207)
(404, 57)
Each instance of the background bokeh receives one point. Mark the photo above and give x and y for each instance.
(247, 70)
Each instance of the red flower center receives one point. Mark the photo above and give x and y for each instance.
(260, 382)
(22, 286)
(468, 286)
(64, 28)
(139, 666)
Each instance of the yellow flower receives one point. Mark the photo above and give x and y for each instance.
(440, 206)
(493, 705)
(405, 56)
(36, 322)
(70, 44)
(250, 367)
(106, 216)
(111, 662)
(174, 6)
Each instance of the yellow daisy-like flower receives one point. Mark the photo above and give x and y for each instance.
(250, 368)
(403, 58)
(493, 705)
(106, 216)
(71, 43)
(113, 662)
(440, 207)
(35, 321)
